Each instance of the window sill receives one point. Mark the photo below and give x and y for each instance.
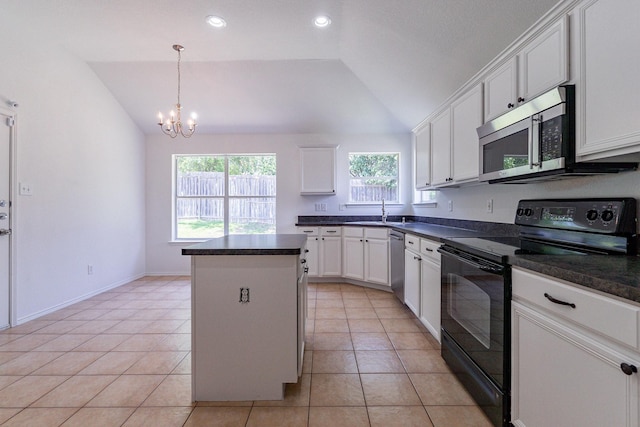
(426, 204)
(187, 242)
(371, 204)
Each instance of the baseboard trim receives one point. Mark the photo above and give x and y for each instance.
(56, 307)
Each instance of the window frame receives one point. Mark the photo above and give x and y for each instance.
(226, 197)
(397, 177)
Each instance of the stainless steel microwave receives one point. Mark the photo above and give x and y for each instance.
(536, 141)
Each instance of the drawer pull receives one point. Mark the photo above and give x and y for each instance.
(428, 249)
(628, 369)
(557, 301)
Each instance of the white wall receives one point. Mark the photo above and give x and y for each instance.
(84, 159)
(470, 202)
(164, 257)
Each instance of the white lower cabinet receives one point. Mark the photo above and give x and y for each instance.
(366, 254)
(563, 373)
(430, 284)
(376, 258)
(324, 246)
(412, 261)
(353, 253)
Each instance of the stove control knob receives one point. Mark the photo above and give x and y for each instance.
(528, 212)
(607, 215)
(520, 212)
(592, 214)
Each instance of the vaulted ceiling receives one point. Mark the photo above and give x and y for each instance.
(381, 66)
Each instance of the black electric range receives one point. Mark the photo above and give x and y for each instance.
(476, 285)
(562, 227)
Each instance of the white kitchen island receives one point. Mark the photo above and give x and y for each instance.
(248, 299)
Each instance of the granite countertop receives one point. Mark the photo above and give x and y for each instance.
(253, 244)
(614, 275)
(428, 231)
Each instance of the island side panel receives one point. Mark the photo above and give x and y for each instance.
(244, 350)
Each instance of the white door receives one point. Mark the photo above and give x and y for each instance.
(5, 222)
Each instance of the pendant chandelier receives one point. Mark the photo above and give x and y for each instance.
(173, 125)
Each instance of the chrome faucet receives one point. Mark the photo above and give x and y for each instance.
(384, 214)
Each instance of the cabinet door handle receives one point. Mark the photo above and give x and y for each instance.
(557, 301)
(331, 231)
(520, 99)
(428, 250)
(417, 258)
(628, 369)
(510, 105)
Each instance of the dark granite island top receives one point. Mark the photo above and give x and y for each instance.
(250, 244)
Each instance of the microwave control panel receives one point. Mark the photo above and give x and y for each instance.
(551, 138)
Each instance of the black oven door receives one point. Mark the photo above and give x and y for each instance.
(475, 328)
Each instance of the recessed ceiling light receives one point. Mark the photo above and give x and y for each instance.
(322, 21)
(216, 21)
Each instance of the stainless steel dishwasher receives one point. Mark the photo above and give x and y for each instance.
(397, 263)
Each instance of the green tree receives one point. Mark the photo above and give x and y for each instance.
(200, 164)
(373, 165)
(252, 165)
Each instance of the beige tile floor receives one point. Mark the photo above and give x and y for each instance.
(122, 358)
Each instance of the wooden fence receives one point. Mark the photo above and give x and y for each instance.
(195, 190)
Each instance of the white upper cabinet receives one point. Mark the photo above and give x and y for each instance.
(540, 65)
(454, 141)
(607, 59)
(422, 144)
(501, 89)
(441, 149)
(466, 117)
(318, 170)
(543, 63)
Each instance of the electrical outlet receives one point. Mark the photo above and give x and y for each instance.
(323, 207)
(89, 269)
(489, 205)
(342, 207)
(25, 189)
(450, 205)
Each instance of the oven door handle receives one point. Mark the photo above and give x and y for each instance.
(493, 269)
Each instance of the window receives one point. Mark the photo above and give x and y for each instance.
(373, 177)
(216, 195)
(424, 197)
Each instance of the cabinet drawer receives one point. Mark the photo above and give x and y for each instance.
(331, 231)
(429, 248)
(309, 231)
(376, 233)
(352, 231)
(412, 242)
(614, 319)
